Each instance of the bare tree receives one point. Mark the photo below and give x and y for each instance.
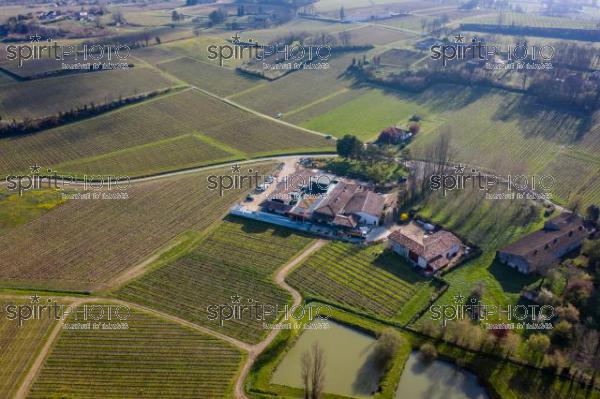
(305, 373)
(318, 371)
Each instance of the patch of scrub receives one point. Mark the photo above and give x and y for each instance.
(349, 366)
(436, 380)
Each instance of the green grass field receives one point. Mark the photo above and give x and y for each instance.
(369, 279)
(138, 139)
(152, 358)
(85, 243)
(238, 258)
(19, 345)
(367, 114)
(23, 99)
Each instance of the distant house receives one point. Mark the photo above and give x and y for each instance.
(393, 135)
(430, 252)
(545, 247)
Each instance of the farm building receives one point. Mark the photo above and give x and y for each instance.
(344, 206)
(348, 205)
(545, 247)
(393, 135)
(431, 252)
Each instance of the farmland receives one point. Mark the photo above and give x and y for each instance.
(299, 88)
(490, 224)
(153, 358)
(366, 115)
(17, 209)
(531, 19)
(238, 258)
(178, 153)
(65, 252)
(376, 35)
(19, 346)
(232, 131)
(370, 279)
(23, 99)
(505, 132)
(209, 76)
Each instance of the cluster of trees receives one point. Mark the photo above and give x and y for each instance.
(217, 17)
(371, 162)
(28, 125)
(568, 83)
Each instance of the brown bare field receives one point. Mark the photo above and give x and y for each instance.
(84, 243)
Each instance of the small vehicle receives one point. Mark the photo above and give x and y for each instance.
(249, 198)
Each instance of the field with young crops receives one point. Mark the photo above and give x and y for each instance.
(23, 99)
(531, 19)
(299, 88)
(221, 131)
(376, 35)
(18, 345)
(177, 153)
(209, 76)
(154, 54)
(84, 243)
(370, 279)
(236, 259)
(152, 358)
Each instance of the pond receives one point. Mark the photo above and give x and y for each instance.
(349, 365)
(437, 379)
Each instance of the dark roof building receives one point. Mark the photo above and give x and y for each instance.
(547, 246)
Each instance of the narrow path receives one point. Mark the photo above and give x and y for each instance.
(42, 355)
(279, 279)
(252, 350)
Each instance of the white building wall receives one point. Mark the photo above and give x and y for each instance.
(365, 218)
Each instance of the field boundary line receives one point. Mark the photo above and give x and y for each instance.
(279, 279)
(141, 268)
(43, 354)
(234, 341)
(261, 115)
(317, 101)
